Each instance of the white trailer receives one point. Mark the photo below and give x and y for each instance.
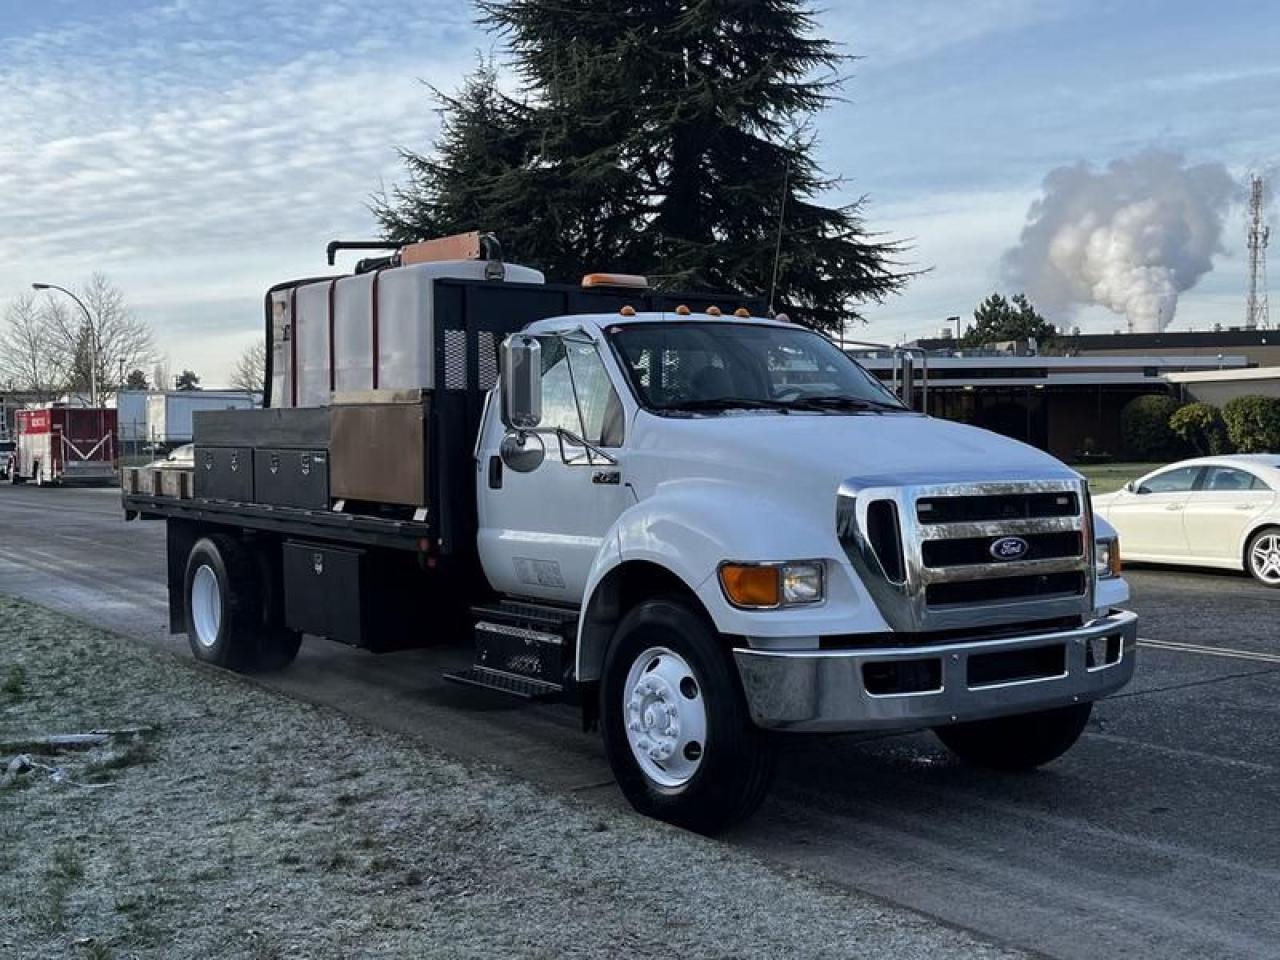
(131, 413)
(169, 414)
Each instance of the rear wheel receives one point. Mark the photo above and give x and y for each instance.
(1262, 556)
(1020, 742)
(675, 722)
(228, 608)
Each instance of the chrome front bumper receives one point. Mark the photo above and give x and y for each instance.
(826, 690)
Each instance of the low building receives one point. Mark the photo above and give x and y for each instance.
(1219, 386)
(1067, 405)
(1260, 347)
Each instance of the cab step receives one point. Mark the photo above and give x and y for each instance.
(523, 687)
(524, 649)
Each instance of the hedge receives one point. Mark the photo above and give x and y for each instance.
(1201, 427)
(1145, 430)
(1253, 423)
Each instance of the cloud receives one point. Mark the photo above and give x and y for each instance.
(1197, 80)
(886, 34)
(175, 133)
(1131, 237)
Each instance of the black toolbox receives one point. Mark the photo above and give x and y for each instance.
(291, 478)
(224, 473)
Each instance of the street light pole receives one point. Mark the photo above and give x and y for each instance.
(93, 338)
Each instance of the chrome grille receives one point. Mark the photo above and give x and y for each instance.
(952, 572)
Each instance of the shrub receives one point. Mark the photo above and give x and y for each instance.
(1253, 423)
(1145, 430)
(1201, 427)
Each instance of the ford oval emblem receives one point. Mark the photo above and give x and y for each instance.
(1009, 548)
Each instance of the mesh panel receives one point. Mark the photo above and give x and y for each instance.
(455, 359)
(487, 345)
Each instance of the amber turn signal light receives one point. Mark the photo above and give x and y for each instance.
(751, 585)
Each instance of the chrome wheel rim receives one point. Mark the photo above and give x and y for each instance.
(206, 605)
(666, 717)
(1264, 558)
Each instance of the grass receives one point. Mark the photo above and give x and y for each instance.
(14, 683)
(137, 751)
(46, 907)
(1110, 477)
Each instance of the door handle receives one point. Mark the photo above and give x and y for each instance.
(1244, 506)
(1173, 506)
(610, 477)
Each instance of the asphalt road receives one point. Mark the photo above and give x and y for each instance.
(1157, 836)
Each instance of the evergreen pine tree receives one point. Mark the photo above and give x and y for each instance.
(661, 137)
(997, 319)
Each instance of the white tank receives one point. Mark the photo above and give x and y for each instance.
(339, 313)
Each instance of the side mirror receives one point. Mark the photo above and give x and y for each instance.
(521, 382)
(1129, 487)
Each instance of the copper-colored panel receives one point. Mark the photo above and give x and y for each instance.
(461, 246)
(378, 452)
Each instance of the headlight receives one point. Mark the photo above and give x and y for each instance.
(1107, 557)
(764, 586)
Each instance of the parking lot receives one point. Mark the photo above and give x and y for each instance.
(1156, 836)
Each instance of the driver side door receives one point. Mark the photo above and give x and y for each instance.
(540, 531)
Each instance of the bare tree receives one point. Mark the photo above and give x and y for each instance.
(250, 373)
(110, 339)
(31, 356)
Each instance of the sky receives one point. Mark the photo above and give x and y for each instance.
(198, 151)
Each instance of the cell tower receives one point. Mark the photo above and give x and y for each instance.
(1257, 312)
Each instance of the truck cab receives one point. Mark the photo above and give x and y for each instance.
(788, 538)
(708, 529)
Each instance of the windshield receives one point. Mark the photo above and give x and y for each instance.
(707, 367)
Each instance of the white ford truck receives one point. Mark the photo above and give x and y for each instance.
(708, 528)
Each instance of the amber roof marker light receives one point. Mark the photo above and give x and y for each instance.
(630, 280)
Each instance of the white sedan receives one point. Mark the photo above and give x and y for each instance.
(1208, 512)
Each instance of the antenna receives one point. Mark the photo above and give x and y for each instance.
(1257, 311)
(777, 248)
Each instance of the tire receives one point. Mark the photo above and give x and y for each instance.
(719, 766)
(1021, 742)
(227, 611)
(278, 645)
(1262, 556)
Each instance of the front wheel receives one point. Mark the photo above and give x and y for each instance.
(1262, 556)
(1020, 742)
(675, 722)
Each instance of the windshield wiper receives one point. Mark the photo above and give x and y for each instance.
(837, 402)
(725, 403)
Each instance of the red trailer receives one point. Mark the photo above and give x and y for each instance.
(58, 444)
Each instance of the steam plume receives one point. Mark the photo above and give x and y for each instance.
(1130, 237)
